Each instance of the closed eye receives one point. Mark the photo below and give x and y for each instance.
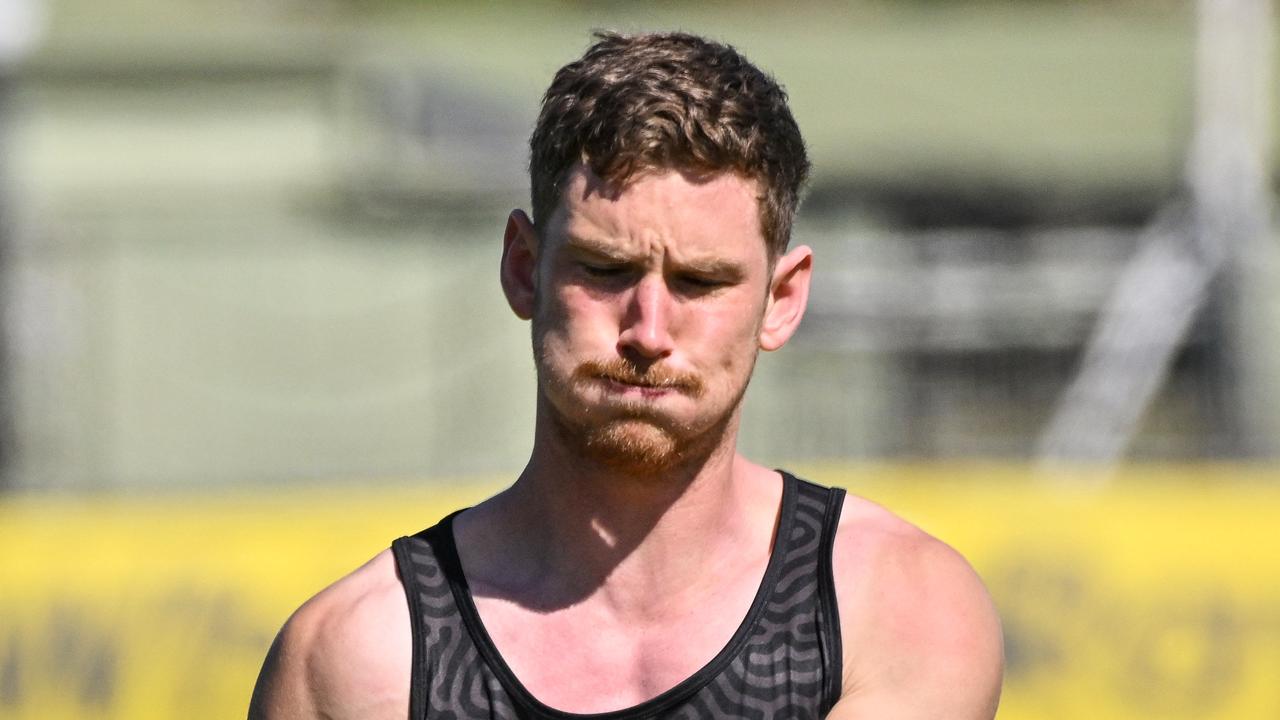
(602, 270)
(700, 283)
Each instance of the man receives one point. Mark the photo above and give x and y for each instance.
(639, 567)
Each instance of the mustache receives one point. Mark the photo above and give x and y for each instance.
(658, 376)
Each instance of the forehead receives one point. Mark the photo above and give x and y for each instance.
(667, 208)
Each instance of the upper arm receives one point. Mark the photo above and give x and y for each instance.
(344, 654)
(281, 688)
(921, 635)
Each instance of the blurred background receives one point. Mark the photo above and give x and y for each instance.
(252, 331)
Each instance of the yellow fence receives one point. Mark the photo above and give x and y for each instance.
(1156, 597)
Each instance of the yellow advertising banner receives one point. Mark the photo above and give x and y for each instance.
(1154, 595)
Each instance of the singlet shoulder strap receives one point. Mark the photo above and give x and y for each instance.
(833, 648)
(424, 562)
(817, 517)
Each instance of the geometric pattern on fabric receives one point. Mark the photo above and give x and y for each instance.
(784, 660)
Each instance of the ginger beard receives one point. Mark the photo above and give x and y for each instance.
(631, 435)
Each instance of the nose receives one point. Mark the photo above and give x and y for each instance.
(646, 322)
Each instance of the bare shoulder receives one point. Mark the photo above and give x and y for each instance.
(921, 635)
(345, 653)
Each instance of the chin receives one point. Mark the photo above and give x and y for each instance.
(633, 446)
(641, 443)
(632, 436)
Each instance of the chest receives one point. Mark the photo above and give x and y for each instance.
(588, 659)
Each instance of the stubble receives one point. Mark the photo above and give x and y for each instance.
(630, 435)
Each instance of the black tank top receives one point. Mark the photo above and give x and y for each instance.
(784, 661)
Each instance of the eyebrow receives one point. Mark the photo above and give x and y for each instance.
(716, 268)
(710, 266)
(593, 247)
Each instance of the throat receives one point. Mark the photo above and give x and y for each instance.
(638, 545)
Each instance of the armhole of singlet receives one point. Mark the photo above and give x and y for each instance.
(417, 682)
(833, 648)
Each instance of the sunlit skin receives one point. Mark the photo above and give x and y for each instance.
(647, 315)
(631, 546)
(649, 305)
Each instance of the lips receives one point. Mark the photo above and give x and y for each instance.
(633, 382)
(622, 376)
(644, 389)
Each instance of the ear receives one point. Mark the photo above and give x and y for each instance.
(788, 296)
(519, 269)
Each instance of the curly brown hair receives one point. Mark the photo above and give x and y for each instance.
(660, 101)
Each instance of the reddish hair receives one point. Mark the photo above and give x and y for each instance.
(669, 101)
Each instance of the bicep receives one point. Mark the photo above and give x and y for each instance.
(955, 688)
(974, 701)
(952, 670)
(282, 692)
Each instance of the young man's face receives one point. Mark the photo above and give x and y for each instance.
(647, 314)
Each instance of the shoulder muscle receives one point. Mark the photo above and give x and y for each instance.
(344, 654)
(922, 638)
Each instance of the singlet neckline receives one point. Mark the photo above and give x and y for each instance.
(668, 698)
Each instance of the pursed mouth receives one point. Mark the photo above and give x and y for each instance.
(621, 376)
(637, 382)
(642, 385)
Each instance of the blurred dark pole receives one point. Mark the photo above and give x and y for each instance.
(20, 26)
(1191, 258)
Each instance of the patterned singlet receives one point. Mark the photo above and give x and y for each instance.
(783, 661)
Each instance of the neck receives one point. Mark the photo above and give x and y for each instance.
(573, 528)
